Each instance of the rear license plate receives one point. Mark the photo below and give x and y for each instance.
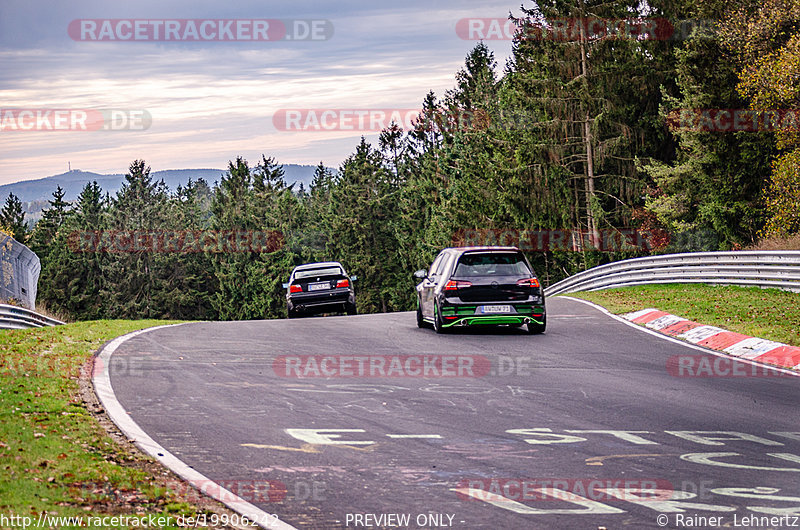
(495, 309)
(321, 286)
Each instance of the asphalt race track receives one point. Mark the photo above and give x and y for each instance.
(491, 438)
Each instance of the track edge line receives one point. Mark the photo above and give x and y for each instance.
(101, 380)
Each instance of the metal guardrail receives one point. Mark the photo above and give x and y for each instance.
(13, 317)
(19, 272)
(778, 269)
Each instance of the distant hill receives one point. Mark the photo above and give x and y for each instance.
(34, 194)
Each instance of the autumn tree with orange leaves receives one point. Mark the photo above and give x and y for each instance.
(765, 38)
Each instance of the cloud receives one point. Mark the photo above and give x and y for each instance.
(212, 101)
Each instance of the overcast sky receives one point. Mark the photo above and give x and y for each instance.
(211, 101)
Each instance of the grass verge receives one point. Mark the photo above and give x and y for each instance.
(766, 313)
(56, 456)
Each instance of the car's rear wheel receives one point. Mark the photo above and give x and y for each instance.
(350, 309)
(292, 314)
(438, 325)
(536, 329)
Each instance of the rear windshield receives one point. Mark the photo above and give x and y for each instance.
(492, 264)
(328, 271)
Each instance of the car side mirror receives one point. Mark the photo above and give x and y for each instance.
(420, 274)
(353, 278)
(285, 285)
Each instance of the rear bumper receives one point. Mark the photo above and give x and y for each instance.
(468, 315)
(492, 320)
(336, 298)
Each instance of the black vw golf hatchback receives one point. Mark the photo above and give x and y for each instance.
(477, 286)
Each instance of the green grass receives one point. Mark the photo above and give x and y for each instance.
(54, 454)
(766, 313)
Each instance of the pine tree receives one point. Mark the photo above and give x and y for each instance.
(72, 276)
(12, 218)
(360, 221)
(52, 218)
(140, 274)
(258, 201)
(189, 283)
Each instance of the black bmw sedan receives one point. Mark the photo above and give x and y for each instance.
(320, 288)
(480, 285)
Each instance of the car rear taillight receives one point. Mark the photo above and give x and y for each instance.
(295, 288)
(529, 282)
(454, 285)
(343, 283)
